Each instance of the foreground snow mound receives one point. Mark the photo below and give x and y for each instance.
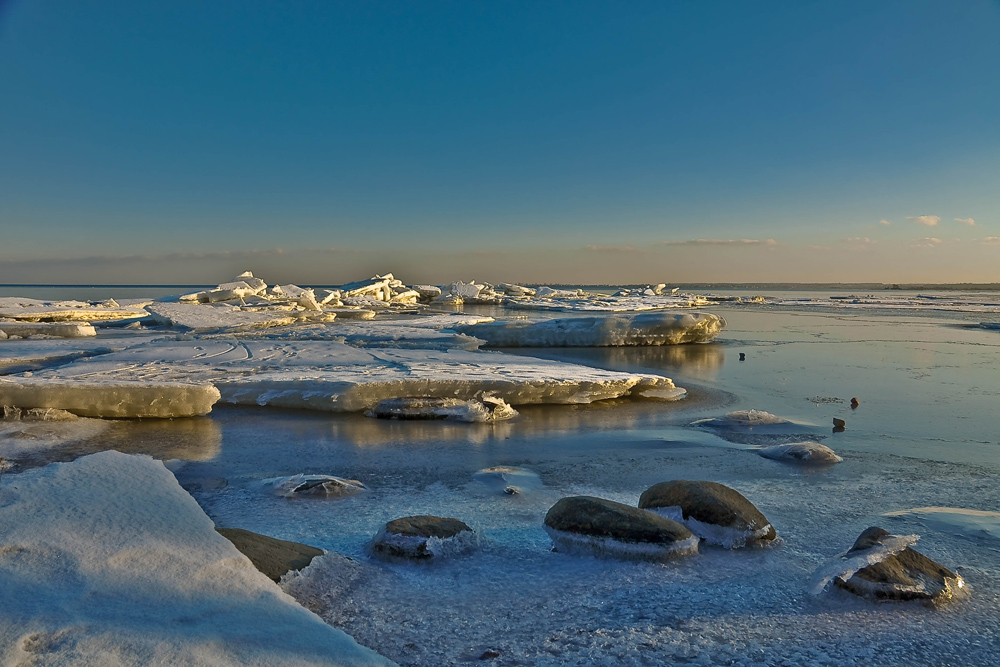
(108, 561)
(121, 399)
(614, 330)
(334, 377)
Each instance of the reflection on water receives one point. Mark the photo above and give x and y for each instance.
(697, 360)
(534, 421)
(191, 439)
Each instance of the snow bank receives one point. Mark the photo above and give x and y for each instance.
(331, 376)
(107, 560)
(616, 330)
(129, 399)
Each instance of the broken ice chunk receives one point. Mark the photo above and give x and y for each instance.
(119, 399)
(55, 329)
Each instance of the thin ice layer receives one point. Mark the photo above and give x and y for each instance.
(608, 547)
(335, 377)
(614, 330)
(116, 399)
(107, 560)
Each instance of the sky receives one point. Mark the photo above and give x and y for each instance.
(183, 142)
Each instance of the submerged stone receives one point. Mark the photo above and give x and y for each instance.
(714, 512)
(423, 537)
(812, 453)
(605, 528)
(906, 575)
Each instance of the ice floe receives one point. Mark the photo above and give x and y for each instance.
(812, 453)
(482, 409)
(36, 310)
(508, 480)
(51, 329)
(107, 560)
(612, 330)
(336, 377)
(314, 486)
(969, 522)
(109, 398)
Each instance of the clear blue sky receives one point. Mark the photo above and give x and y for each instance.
(526, 141)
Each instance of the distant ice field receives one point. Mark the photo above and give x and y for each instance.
(921, 456)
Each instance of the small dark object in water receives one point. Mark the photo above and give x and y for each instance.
(489, 654)
(855, 403)
(839, 425)
(743, 356)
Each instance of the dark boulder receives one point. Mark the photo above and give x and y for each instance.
(714, 512)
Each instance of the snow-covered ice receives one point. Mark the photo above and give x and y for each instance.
(336, 377)
(107, 560)
(612, 330)
(54, 329)
(35, 310)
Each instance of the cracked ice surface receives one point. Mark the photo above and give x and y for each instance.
(332, 376)
(107, 560)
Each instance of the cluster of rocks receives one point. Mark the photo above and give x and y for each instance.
(671, 520)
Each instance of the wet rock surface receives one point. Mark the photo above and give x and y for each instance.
(272, 556)
(586, 515)
(706, 507)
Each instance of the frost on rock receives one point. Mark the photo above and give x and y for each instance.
(52, 329)
(423, 538)
(882, 566)
(315, 486)
(714, 512)
(107, 560)
(614, 330)
(801, 452)
(116, 399)
(335, 377)
(599, 527)
(483, 409)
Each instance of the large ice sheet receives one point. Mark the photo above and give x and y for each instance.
(333, 376)
(44, 351)
(218, 316)
(107, 560)
(110, 398)
(35, 310)
(53, 329)
(613, 330)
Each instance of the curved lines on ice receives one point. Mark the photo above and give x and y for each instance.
(247, 349)
(206, 355)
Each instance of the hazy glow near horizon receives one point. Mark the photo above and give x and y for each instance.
(584, 142)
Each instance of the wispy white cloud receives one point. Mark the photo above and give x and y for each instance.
(729, 242)
(615, 249)
(971, 222)
(928, 220)
(991, 240)
(885, 222)
(859, 240)
(927, 242)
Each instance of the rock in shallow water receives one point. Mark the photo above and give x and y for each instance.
(905, 575)
(605, 528)
(714, 512)
(423, 537)
(272, 556)
(484, 409)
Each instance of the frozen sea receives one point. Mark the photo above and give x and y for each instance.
(920, 457)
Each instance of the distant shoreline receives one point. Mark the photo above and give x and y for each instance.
(685, 286)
